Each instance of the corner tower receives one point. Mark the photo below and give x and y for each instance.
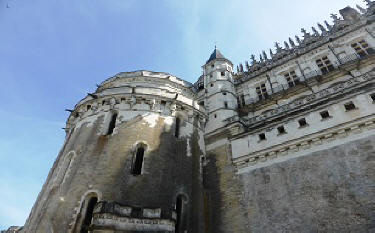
(130, 162)
(220, 93)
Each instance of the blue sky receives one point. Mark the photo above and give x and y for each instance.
(52, 52)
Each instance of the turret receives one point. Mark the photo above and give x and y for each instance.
(220, 91)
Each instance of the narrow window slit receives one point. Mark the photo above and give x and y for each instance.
(177, 129)
(138, 162)
(112, 124)
(181, 214)
(88, 215)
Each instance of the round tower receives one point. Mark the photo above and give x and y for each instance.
(221, 100)
(130, 162)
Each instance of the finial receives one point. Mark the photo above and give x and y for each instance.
(286, 45)
(291, 42)
(316, 33)
(271, 53)
(334, 17)
(298, 40)
(328, 25)
(264, 55)
(324, 31)
(253, 61)
(215, 44)
(277, 46)
(241, 67)
(260, 57)
(247, 65)
(305, 33)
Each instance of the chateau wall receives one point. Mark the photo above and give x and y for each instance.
(330, 190)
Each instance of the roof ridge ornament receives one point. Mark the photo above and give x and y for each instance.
(291, 42)
(322, 30)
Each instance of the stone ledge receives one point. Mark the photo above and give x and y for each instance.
(316, 139)
(110, 221)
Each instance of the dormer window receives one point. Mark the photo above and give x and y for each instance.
(324, 65)
(291, 78)
(362, 48)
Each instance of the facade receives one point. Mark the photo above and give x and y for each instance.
(283, 144)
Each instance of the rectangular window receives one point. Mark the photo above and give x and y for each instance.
(222, 73)
(324, 65)
(262, 137)
(281, 130)
(291, 78)
(325, 115)
(349, 106)
(302, 122)
(362, 48)
(225, 104)
(262, 91)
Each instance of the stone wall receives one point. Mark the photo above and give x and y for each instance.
(326, 191)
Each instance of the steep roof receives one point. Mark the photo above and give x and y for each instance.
(215, 55)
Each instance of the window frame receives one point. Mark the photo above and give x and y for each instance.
(362, 48)
(324, 64)
(291, 78)
(261, 91)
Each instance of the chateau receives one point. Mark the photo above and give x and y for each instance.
(284, 143)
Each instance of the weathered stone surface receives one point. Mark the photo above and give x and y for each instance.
(325, 191)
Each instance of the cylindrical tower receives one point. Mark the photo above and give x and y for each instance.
(131, 161)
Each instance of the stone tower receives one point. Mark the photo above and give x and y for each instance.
(220, 93)
(130, 162)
